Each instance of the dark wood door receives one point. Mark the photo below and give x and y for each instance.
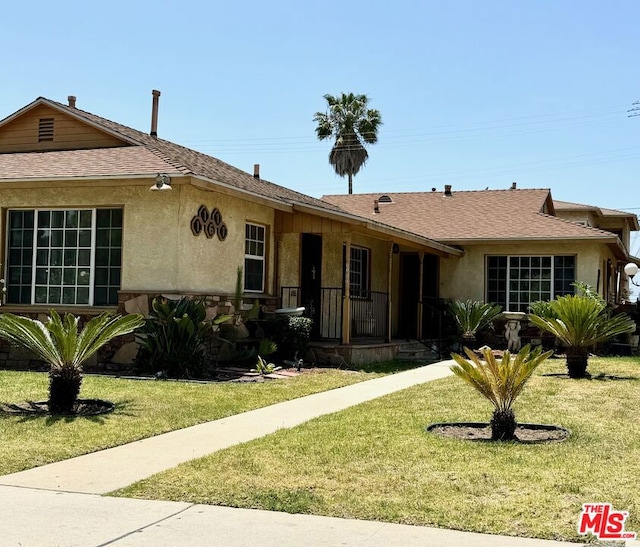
(409, 291)
(311, 279)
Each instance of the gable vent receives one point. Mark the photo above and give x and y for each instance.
(45, 130)
(385, 199)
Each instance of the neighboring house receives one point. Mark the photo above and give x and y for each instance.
(87, 226)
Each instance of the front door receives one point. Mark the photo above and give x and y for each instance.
(311, 279)
(410, 295)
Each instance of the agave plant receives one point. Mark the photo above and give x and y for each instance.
(500, 381)
(64, 348)
(472, 316)
(581, 322)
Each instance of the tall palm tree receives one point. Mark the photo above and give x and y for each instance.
(500, 381)
(581, 322)
(352, 125)
(59, 343)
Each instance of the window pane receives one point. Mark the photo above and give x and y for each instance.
(57, 219)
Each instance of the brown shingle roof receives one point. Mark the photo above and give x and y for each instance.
(124, 161)
(195, 163)
(466, 216)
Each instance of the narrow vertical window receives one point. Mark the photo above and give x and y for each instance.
(359, 272)
(254, 253)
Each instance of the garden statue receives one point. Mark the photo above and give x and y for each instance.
(512, 334)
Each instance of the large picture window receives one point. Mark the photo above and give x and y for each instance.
(516, 281)
(254, 253)
(359, 272)
(68, 257)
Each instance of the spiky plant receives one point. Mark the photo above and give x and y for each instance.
(500, 381)
(581, 322)
(472, 316)
(352, 125)
(60, 343)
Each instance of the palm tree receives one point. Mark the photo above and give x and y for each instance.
(581, 322)
(472, 316)
(59, 343)
(500, 381)
(352, 125)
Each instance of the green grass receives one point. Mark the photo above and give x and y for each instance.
(375, 461)
(143, 409)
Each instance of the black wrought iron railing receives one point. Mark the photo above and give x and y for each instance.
(369, 311)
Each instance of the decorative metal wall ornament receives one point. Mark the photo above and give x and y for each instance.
(209, 223)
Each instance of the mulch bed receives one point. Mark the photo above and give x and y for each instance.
(83, 407)
(481, 431)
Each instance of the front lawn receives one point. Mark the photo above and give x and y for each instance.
(375, 461)
(143, 408)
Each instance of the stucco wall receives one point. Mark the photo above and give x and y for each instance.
(160, 253)
(464, 277)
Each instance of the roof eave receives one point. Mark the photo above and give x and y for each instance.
(205, 183)
(378, 227)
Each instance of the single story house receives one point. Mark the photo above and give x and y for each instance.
(99, 216)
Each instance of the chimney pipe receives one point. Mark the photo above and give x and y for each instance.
(447, 189)
(72, 101)
(376, 208)
(256, 170)
(513, 186)
(154, 113)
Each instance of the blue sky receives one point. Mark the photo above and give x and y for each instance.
(475, 94)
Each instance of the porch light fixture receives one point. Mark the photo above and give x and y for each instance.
(163, 182)
(631, 270)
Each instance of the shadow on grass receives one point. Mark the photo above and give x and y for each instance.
(602, 376)
(35, 410)
(388, 367)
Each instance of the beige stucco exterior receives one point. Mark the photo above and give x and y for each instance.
(160, 253)
(464, 277)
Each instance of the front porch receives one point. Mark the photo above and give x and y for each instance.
(368, 313)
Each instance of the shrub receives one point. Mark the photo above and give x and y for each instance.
(291, 335)
(173, 339)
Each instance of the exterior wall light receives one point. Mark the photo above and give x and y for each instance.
(631, 270)
(163, 182)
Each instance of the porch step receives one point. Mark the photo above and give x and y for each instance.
(418, 351)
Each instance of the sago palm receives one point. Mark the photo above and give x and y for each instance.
(64, 348)
(500, 381)
(581, 322)
(352, 125)
(472, 316)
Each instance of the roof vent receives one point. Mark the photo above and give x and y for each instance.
(45, 130)
(385, 199)
(513, 186)
(433, 189)
(447, 189)
(72, 101)
(256, 170)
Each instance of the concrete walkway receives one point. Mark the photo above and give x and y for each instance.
(61, 504)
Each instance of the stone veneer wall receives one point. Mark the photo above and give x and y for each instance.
(117, 356)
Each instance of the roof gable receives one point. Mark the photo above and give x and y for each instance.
(43, 126)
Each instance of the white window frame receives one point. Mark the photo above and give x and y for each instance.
(255, 243)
